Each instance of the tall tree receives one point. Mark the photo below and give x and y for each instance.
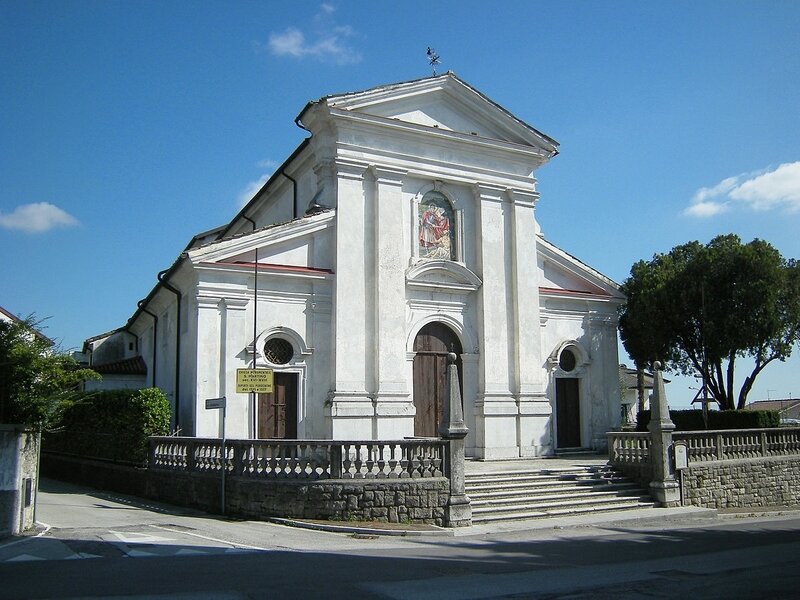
(35, 378)
(699, 308)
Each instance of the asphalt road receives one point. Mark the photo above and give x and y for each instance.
(107, 546)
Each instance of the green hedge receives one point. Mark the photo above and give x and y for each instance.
(692, 420)
(112, 425)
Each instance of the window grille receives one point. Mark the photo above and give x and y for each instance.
(278, 351)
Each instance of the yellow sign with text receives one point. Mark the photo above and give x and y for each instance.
(254, 380)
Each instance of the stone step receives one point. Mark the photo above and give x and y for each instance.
(554, 498)
(539, 493)
(533, 482)
(558, 511)
(526, 490)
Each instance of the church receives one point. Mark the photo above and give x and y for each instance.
(402, 228)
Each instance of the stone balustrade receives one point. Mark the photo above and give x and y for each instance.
(301, 459)
(632, 448)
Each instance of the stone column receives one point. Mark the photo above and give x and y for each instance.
(458, 512)
(663, 487)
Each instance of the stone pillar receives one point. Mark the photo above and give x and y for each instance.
(663, 487)
(458, 512)
(529, 376)
(496, 407)
(351, 407)
(394, 411)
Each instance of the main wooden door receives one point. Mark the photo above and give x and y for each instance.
(432, 344)
(277, 412)
(568, 417)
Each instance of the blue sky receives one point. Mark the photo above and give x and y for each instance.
(127, 127)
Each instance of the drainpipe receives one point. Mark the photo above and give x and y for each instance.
(294, 192)
(255, 329)
(177, 347)
(140, 304)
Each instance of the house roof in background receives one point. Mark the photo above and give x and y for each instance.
(128, 366)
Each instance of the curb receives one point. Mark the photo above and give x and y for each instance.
(299, 523)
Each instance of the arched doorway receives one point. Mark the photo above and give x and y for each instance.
(431, 346)
(568, 403)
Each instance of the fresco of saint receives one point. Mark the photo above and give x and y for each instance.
(436, 233)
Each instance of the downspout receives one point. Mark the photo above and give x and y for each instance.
(140, 304)
(255, 329)
(177, 347)
(294, 192)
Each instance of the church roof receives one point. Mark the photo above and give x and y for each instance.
(448, 79)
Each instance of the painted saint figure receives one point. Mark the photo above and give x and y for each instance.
(435, 230)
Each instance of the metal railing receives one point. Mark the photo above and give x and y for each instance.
(301, 459)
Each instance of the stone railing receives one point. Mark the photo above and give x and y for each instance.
(301, 459)
(632, 448)
(628, 447)
(704, 446)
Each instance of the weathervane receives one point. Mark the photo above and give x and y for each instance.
(433, 59)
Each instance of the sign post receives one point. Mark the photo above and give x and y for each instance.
(212, 404)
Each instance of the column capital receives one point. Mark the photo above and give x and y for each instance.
(350, 169)
(522, 197)
(388, 175)
(492, 193)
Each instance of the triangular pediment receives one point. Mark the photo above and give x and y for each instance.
(443, 276)
(561, 274)
(301, 243)
(446, 103)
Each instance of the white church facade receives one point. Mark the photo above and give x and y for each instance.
(404, 227)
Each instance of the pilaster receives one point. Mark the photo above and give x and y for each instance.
(351, 408)
(393, 407)
(496, 407)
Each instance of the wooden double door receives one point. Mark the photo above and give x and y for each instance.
(277, 412)
(431, 346)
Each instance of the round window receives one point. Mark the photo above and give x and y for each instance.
(278, 351)
(567, 361)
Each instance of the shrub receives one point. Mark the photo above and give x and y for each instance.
(112, 424)
(692, 420)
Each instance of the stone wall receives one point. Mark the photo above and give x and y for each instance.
(743, 483)
(19, 463)
(412, 500)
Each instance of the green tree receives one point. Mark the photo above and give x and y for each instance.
(36, 379)
(699, 308)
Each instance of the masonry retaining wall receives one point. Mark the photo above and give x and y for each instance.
(413, 500)
(746, 483)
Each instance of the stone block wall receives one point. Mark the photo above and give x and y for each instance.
(743, 483)
(412, 500)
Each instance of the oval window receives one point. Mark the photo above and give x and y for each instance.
(278, 351)
(567, 360)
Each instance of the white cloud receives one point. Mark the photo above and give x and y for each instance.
(723, 187)
(328, 41)
(250, 190)
(760, 191)
(705, 209)
(776, 189)
(38, 217)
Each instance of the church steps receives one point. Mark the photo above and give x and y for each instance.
(541, 493)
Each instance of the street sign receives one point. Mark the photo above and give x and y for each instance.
(215, 403)
(254, 380)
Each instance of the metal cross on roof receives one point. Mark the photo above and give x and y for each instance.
(433, 59)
